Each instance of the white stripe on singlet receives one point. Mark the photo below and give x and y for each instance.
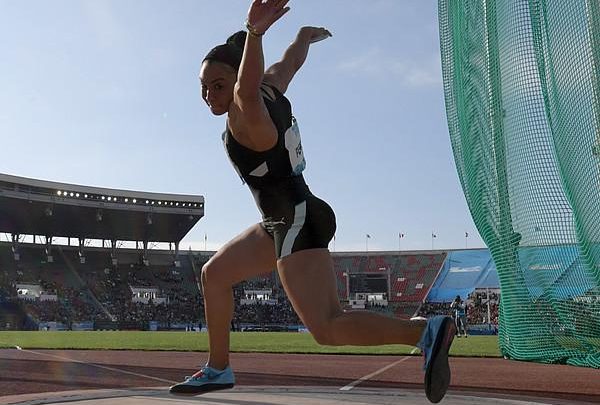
(268, 91)
(292, 233)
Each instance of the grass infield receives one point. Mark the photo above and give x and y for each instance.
(262, 342)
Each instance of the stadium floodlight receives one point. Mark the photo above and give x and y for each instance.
(85, 196)
(147, 202)
(115, 199)
(77, 195)
(104, 198)
(59, 192)
(127, 200)
(177, 204)
(134, 200)
(71, 194)
(160, 203)
(109, 198)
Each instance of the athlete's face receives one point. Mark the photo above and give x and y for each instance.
(217, 81)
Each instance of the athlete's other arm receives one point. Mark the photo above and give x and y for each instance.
(281, 73)
(253, 123)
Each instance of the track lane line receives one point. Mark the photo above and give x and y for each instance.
(117, 370)
(375, 373)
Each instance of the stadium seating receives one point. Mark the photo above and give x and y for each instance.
(411, 276)
(414, 275)
(99, 292)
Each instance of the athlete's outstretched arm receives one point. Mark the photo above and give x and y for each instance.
(261, 15)
(281, 73)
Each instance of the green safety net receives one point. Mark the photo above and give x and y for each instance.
(522, 91)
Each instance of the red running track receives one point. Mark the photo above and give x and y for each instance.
(37, 371)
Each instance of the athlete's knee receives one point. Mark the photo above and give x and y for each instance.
(325, 332)
(212, 275)
(201, 278)
(323, 335)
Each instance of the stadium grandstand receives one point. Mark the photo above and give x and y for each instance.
(99, 283)
(66, 286)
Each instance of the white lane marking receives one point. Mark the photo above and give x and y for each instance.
(369, 376)
(96, 365)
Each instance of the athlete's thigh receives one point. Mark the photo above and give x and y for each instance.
(249, 254)
(309, 281)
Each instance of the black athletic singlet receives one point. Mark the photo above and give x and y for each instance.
(292, 215)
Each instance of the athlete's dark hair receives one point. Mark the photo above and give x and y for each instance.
(230, 52)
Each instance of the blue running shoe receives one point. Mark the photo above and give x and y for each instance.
(206, 380)
(435, 344)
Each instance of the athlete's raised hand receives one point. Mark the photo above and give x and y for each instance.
(315, 34)
(263, 13)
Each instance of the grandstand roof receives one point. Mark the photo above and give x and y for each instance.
(38, 207)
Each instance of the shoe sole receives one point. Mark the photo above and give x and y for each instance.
(437, 375)
(191, 390)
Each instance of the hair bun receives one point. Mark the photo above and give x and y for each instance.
(238, 39)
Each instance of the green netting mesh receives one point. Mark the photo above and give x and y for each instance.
(523, 106)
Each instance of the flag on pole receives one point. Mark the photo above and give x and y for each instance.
(433, 235)
(466, 234)
(401, 235)
(368, 236)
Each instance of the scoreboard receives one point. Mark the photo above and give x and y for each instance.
(368, 283)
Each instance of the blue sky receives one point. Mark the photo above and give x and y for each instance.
(105, 93)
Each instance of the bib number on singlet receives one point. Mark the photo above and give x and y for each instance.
(294, 148)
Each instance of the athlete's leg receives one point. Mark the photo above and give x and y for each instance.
(249, 254)
(309, 281)
(463, 321)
